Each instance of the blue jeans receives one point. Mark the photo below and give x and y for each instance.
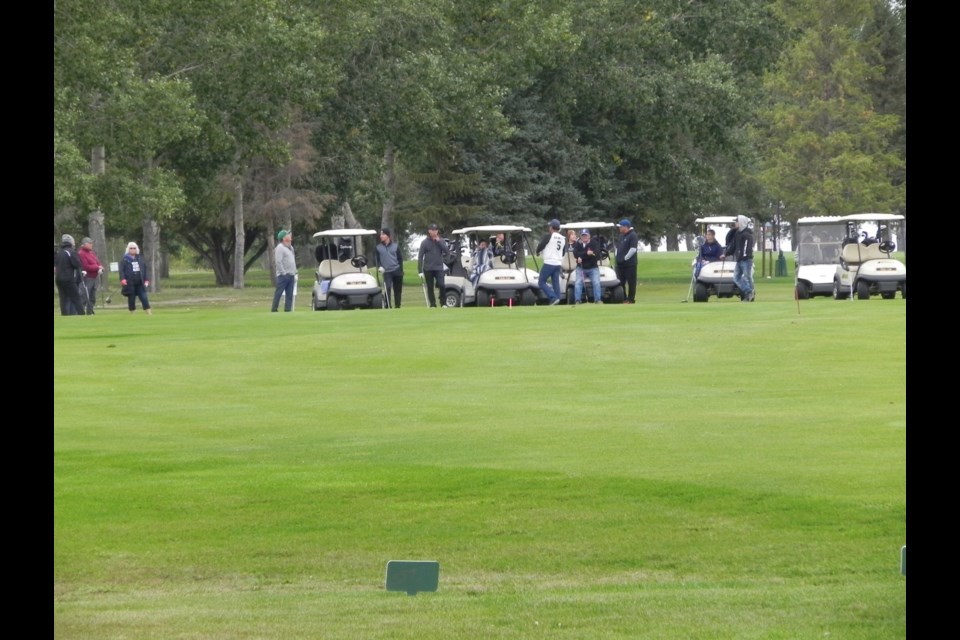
(550, 274)
(743, 277)
(594, 275)
(284, 288)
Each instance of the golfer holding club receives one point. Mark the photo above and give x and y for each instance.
(740, 247)
(430, 259)
(91, 273)
(390, 265)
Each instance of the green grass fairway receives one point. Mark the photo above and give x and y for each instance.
(662, 470)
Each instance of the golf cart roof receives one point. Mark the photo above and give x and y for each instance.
(491, 228)
(872, 217)
(342, 233)
(716, 220)
(820, 220)
(587, 225)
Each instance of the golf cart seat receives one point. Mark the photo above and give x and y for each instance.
(332, 268)
(855, 253)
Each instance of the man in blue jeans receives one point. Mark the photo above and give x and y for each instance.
(551, 249)
(587, 253)
(286, 271)
(740, 247)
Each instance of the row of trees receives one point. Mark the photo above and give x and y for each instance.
(218, 122)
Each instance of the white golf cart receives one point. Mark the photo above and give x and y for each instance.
(507, 281)
(867, 265)
(343, 281)
(611, 289)
(713, 278)
(817, 253)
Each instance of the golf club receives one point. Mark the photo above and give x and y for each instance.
(293, 305)
(87, 307)
(696, 268)
(384, 300)
(426, 298)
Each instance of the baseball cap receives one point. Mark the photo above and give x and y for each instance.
(433, 226)
(584, 232)
(554, 224)
(624, 223)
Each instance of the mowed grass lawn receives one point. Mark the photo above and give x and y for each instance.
(662, 470)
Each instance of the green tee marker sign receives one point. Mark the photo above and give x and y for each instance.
(412, 576)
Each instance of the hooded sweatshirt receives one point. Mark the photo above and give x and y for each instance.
(741, 248)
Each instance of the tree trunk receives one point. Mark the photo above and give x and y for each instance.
(151, 252)
(673, 242)
(390, 188)
(97, 226)
(238, 231)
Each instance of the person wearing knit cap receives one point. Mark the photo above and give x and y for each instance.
(286, 262)
(390, 265)
(740, 248)
(627, 247)
(68, 276)
(91, 274)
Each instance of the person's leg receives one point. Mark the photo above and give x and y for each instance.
(747, 277)
(595, 281)
(429, 278)
(397, 288)
(92, 287)
(556, 281)
(738, 279)
(132, 301)
(441, 287)
(144, 300)
(281, 287)
(578, 285)
(544, 282)
(632, 283)
(73, 290)
(62, 295)
(288, 293)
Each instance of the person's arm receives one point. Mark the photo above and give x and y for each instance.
(420, 259)
(543, 243)
(399, 257)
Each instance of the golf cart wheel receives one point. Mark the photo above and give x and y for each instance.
(313, 302)
(376, 301)
(863, 290)
(483, 298)
(451, 298)
(528, 298)
(333, 303)
(700, 293)
(903, 289)
(838, 291)
(803, 292)
(617, 296)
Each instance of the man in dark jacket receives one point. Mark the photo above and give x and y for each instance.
(69, 277)
(740, 247)
(627, 249)
(587, 253)
(430, 263)
(390, 266)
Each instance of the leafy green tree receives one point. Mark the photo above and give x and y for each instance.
(825, 147)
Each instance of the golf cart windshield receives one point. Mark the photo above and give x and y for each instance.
(819, 243)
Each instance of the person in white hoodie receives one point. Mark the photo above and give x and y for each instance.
(740, 248)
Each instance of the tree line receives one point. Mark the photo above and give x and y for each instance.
(209, 125)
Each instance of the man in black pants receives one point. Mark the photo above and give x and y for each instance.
(430, 260)
(627, 248)
(69, 278)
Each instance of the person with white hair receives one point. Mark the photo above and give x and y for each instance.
(134, 279)
(740, 248)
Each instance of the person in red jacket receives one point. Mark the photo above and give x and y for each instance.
(91, 273)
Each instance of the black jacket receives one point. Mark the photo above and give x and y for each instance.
(68, 265)
(740, 245)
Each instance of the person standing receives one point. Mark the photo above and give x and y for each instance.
(91, 273)
(69, 277)
(587, 253)
(430, 259)
(740, 247)
(286, 262)
(390, 264)
(134, 279)
(627, 248)
(551, 248)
